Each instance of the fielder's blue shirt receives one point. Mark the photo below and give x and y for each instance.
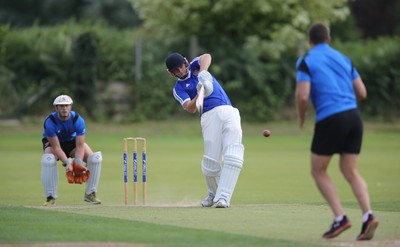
(331, 75)
(64, 130)
(185, 89)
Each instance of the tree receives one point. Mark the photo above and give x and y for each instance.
(272, 25)
(25, 13)
(256, 41)
(85, 49)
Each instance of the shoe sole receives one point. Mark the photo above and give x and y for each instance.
(92, 202)
(338, 231)
(369, 232)
(207, 206)
(49, 204)
(221, 206)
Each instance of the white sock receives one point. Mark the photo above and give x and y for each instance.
(366, 215)
(339, 218)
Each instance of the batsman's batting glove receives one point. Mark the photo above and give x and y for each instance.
(205, 79)
(204, 75)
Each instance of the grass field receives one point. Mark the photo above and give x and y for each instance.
(275, 202)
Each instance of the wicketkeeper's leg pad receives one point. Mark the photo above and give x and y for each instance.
(211, 169)
(233, 163)
(49, 175)
(94, 166)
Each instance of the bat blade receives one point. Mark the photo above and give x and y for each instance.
(200, 100)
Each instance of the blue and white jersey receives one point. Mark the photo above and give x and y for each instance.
(64, 130)
(331, 75)
(185, 89)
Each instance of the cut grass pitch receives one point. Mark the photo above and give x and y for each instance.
(27, 225)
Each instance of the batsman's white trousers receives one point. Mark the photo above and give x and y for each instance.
(221, 128)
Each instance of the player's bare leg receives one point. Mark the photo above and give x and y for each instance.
(319, 166)
(348, 166)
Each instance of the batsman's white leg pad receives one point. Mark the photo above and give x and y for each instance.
(49, 175)
(94, 166)
(211, 169)
(233, 163)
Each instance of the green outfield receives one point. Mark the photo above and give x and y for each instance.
(275, 202)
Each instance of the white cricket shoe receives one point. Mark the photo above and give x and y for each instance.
(208, 201)
(221, 203)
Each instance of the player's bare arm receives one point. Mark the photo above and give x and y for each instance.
(359, 89)
(190, 105)
(80, 148)
(56, 149)
(205, 61)
(302, 94)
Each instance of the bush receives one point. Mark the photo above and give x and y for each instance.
(86, 59)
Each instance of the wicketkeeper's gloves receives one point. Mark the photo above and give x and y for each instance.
(78, 174)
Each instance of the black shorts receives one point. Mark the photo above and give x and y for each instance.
(67, 147)
(339, 133)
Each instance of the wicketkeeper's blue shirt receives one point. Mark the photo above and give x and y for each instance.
(331, 75)
(185, 89)
(64, 130)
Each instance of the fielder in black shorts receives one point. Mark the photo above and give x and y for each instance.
(334, 85)
(340, 133)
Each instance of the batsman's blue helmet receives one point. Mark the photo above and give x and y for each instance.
(174, 60)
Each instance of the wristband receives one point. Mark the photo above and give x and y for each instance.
(78, 161)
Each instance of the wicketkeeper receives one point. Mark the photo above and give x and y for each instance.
(64, 139)
(220, 123)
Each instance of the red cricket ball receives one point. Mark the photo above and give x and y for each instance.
(266, 133)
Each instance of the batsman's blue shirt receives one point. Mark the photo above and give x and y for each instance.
(64, 130)
(185, 89)
(331, 75)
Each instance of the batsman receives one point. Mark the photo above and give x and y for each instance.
(198, 91)
(64, 140)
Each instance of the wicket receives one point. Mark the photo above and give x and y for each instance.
(135, 169)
